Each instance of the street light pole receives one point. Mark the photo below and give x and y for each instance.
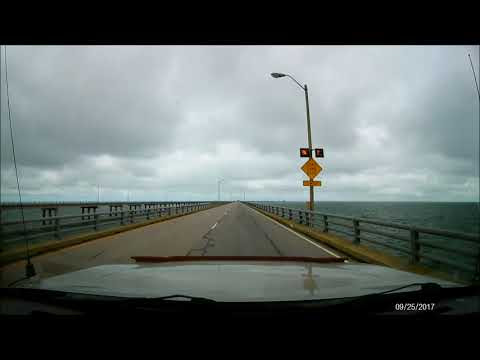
(305, 89)
(219, 181)
(309, 143)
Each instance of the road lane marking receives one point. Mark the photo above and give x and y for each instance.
(300, 236)
(214, 226)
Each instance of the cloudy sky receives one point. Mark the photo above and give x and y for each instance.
(165, 122)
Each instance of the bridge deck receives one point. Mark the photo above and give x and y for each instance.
(230, 230)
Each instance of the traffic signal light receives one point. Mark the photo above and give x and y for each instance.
(319, 153)
(304, 152)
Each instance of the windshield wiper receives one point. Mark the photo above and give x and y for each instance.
(424, 287)
(46, 294)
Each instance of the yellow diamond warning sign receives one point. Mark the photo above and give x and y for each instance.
(311, 168)
(311, 183)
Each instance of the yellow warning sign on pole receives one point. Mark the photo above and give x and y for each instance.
(311, 168)
(311, 183)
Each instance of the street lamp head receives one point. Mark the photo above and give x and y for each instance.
(277, 75)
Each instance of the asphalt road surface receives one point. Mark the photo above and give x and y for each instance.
(229, 230)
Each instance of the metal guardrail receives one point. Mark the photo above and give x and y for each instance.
(413, 246)
(56, 225)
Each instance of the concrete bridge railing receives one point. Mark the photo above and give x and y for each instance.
(55, 226)
(434, 245)
(39, 204)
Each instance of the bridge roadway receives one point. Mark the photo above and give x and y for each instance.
(233, 229)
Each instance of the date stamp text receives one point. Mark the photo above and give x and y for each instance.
(414, 306)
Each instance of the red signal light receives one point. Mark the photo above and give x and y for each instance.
(319, 153)
(304, 152)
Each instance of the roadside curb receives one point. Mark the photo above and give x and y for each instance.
(54, 245)
(360, 252)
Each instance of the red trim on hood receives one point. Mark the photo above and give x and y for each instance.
(161, 259)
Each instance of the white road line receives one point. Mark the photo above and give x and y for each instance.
(214, 226)
(300, 236)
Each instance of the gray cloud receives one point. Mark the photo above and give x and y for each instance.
(396, 123)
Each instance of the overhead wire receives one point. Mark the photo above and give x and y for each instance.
(15, 163)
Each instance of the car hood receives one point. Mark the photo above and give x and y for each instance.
(233, 281)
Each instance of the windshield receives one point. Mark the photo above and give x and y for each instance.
(239, 173)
